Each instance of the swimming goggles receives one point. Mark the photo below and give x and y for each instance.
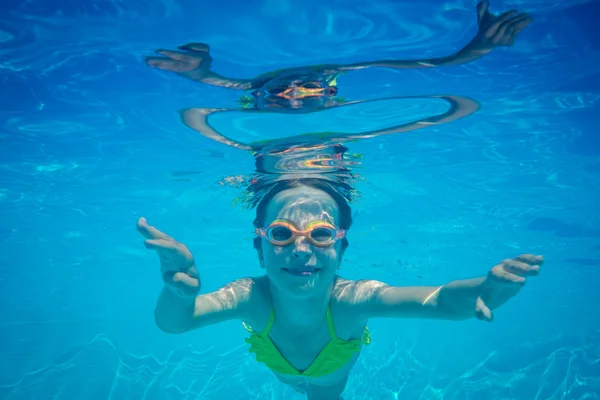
(319, 233)
(302, 90)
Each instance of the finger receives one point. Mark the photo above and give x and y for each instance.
(175, 55)
(482, 311)
(203, 47)
(516, 20)
(148, 231)
(161, 62)
(500, 35)
(166, 64)
(508, 37)
(493, 29)
(159, 244)
(530, 259)
(506, 23)
(519, 18)
(521, 24)
(505, 16)
(506, 276)
(521, 268)
(185, 279)
(183, 283)
(482, 9)
(507, 32)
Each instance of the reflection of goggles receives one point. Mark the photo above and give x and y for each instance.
(307, 89)
(319, 233)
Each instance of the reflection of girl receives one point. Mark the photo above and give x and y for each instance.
(294, 83)
(305, 322)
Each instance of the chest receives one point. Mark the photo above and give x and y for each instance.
(300, 349)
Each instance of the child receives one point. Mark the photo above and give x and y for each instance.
(305, 322)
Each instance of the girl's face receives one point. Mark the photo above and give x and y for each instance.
(300, 268)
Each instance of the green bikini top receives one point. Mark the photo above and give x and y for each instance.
(335, 354)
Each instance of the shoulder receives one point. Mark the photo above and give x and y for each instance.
(246, 290)
(357, 297)
(242, 294)
(256, 301)
(358, 292)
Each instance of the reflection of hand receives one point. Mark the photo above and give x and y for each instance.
(176, 261)
(496, 30)
(193, 63)
(504, 281)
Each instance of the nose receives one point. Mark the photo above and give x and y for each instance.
(301, 248)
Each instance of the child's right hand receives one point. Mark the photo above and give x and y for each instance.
(177, 264)
(496, 30)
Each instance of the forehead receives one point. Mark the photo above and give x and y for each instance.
(302, 205)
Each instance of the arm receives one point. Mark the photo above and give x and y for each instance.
(179, 307)
(175, 313)
(215, 79)
(463, 56)
(456, 300)
(193, 62)
(493, 31)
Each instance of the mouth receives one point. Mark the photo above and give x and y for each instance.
(301, 271)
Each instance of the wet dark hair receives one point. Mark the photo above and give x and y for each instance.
(345, 212)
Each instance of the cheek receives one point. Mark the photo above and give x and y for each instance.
(328, 254)
(277, 250)
(272, 252)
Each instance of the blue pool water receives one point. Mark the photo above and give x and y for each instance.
(91, 140)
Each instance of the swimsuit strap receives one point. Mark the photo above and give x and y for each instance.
(334, 336)
(267, 327)
(269, 323)
(247, 327)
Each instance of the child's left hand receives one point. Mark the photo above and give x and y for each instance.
(504, 281)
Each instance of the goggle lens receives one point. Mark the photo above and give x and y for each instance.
(322, 235)
(279, 233)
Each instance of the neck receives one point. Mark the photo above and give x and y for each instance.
(300, 312)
